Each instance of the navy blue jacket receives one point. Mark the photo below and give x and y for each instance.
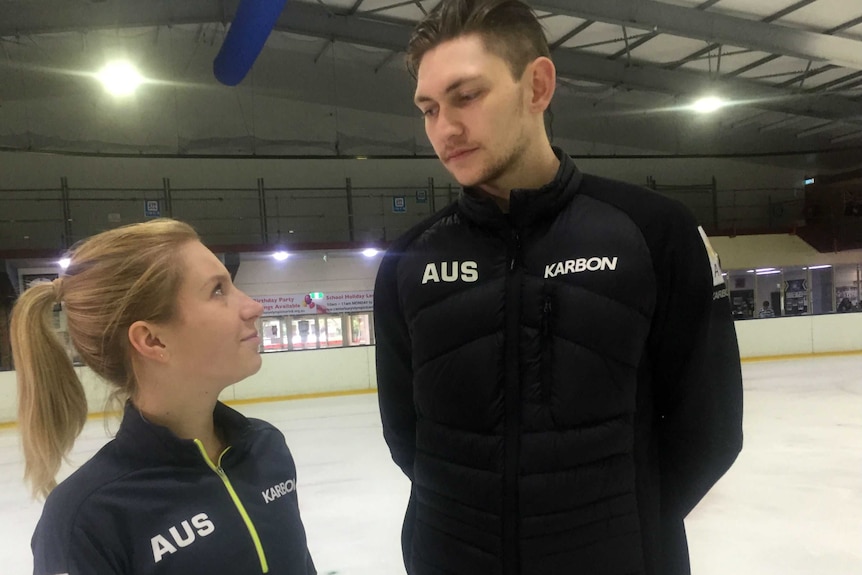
(561, 383)
(151, 503)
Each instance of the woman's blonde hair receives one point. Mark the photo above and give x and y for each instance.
(115, 278)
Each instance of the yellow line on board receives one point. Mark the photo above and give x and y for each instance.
(300, 396)
(102, 414)
(800, 356)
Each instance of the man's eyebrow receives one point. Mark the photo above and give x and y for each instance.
(451, 88)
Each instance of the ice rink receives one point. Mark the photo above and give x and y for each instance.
(791, 505)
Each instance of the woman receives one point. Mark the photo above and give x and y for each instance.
(188, 485)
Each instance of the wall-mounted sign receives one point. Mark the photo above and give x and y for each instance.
(307, 303)
(151, 209)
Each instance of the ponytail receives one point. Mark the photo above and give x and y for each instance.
(52, 407)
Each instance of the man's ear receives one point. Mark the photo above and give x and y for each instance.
(144, 338)
(542, 78)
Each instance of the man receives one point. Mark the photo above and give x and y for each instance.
(765, 311)
(557, 366)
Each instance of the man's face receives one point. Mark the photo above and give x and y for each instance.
(475, 112)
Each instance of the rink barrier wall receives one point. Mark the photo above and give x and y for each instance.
(340, 371)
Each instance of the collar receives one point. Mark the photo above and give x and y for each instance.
(526, 206)
(142, 439)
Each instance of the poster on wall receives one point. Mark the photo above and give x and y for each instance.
(847, 298)
(796, 297)
(30, 280)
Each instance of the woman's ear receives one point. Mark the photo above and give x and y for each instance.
(144, 338)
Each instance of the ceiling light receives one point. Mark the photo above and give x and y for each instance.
(280, 256)
(369, 252)
(769, 273)
(120, 78)
(708, 105)
(64, 263)
(819, 267)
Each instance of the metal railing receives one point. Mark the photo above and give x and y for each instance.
(47, 219)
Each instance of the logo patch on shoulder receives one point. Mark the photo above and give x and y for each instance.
(714, 262)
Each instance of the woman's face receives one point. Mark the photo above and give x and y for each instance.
(214, 339)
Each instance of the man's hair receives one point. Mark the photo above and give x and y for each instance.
(509, 29)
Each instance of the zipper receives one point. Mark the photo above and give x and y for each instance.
(515, 250)
(264, 567)
(512, 410)
(546, 346)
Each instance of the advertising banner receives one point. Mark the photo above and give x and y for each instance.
(304, 304)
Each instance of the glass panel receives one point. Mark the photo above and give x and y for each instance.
(822, 294)
(796, 291)
(323, 337)
(304, 332)
(333, 331)
(273, 337)
(741, 285)
(360, 328)
(768, 292)
(846, 288)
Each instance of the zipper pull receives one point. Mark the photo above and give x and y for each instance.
(516, 251)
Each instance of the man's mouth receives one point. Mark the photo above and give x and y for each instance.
(457, 154)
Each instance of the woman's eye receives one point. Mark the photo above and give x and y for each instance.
(219, 290)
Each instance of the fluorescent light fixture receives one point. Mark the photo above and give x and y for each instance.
(764, 270)
(708, 105)
(280, 256)
(120, 78)
(769, 273)
(819, 267)
(64, 263)
(370, 252)
(749, 271)
(809, 181)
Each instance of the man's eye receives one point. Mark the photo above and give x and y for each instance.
(218, 290)
(430, 112)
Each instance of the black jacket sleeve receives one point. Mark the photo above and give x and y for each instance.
(697, 375)
(394, 366)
